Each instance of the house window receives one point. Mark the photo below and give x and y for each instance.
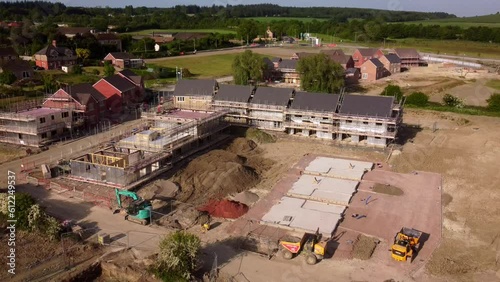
(26, 74)
(52, 117)
(64, 114)
(378, 124)
(180, 99)
(53, 133)
(44, 135)
(365, 76)
(20, 137)
(365, 122)
(42, 120)
(348, 121)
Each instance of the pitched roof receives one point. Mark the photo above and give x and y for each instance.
(315, 101)
(376, 62)
(268, 63)
(132, 76)
(82, 98)
(122, 55)
(367, 52)
(190, 35)
(7, 51)
(406, 53)
(106, 36)
(119, 82)
(351, 70)
(393, 58)
(16, 66)
(85, 88)
(272, 96)
(73, 30)
(288, 64)
(335, 52)
(362, 105)
(276, 60)
(301, 55)
(162, 39)
(195, 87)
(60, 51)
(234, 93)
(341, 59)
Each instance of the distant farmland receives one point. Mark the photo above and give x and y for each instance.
(488, 20)
(149, 31)
(270, 19)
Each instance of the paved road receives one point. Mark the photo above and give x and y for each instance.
(66, 150)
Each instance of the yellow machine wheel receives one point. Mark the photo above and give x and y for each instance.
(311, 259)
(287, 254)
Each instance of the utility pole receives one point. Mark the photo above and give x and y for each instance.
(247, 39)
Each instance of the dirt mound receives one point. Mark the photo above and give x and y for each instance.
(246, 197)
(215, 175)
(225, 208)
(241, 146)
(364, 247)
(160, 189)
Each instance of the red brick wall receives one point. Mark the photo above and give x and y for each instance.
(70, 104)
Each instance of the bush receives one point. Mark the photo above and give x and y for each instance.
(393, 90)
(77, 69)
(494, 102)
(96, 72)
(7, 77)
(417, 99)
(452, 101)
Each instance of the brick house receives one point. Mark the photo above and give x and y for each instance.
(110, 39)
(372, 70)
(288, 71)
(124, 60)
(119, 91)
(194, 94)
(21, 69)
(392, 63)
(53, 57)
(71, 32)
(86, 103)
(409, 57)
(362, 55)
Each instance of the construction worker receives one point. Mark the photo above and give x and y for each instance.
(205, 227)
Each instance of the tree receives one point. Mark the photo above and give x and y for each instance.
(177, 258)
(7, 77)
(393, 90)
(417, 99)
(320, 74)
(452, 101)
(77, 69)
(82, 54)
(494, 102)
(248, 29)
(109, 69)
(247, 67)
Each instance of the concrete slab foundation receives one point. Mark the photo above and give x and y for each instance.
(338, 168)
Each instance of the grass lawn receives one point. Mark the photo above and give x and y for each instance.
(149, 31)
(269, 19)
(205, 67)
(70, 78)
(495, 83)
(89, 70)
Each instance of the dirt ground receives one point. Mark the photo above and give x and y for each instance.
(10, 152)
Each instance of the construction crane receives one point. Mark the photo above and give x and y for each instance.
(406, 243)
(139, 211)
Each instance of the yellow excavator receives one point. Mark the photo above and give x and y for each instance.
(309, 245)
(406, 243)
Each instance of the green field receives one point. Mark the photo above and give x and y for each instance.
(488, 20)
(495, 83)
(270, 19)
(448, 47)
(209, 66)
(150, 31)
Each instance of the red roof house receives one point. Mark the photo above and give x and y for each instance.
(120, 91)
(362, 55)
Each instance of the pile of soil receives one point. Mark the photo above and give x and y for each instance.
(225, 208)
(160, 189)
(387, 189)
(215, 175)
(364, 247)
(242, 146)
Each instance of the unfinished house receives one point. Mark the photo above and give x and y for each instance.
(409, 57)
(266, 109)
(140, 156)
(35, 127)
(372, 120)
(194, 94)
(234, 99)
(312, 114)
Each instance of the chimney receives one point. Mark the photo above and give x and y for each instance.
(54, 43)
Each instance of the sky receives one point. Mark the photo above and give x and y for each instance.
(461, 8)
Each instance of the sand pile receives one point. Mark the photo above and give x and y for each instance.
(225, 208)
(215, 175)
(160, 189)
(242, 146)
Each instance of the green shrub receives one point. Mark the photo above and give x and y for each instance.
(417, 99)
(494, 102)
(393, 90)
(452, 101)
(77, 69)
(96, 72)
